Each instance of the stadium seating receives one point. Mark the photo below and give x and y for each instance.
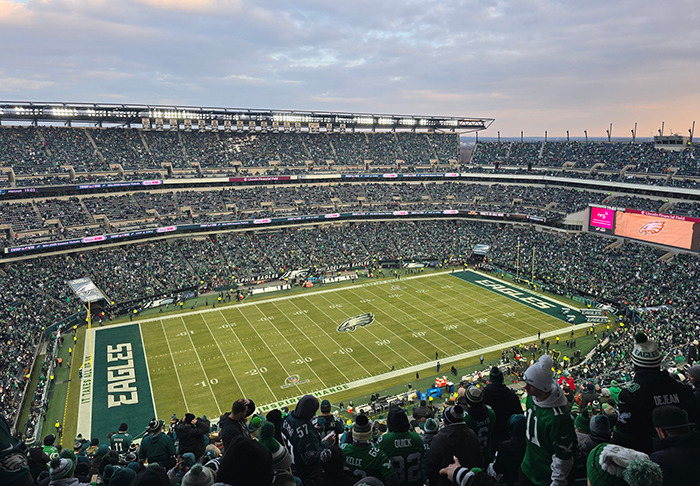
(35, 296)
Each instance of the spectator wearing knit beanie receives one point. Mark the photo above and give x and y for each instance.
(503, 401)
(612, 465)
(61, 467)
(198, 475)
(281, 459)
(652, 388)
(454, 439)
(363, 458)
(430, 428)
(481, 419)
(551, 441)
(403, 446)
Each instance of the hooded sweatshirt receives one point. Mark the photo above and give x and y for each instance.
(551, 440)
(302, 438)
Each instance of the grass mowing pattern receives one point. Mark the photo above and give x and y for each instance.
(203, 361)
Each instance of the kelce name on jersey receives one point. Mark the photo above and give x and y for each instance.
(353, 461)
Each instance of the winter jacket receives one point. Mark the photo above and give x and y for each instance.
(652, 388)
(452, 440)
(504, 403)
(679, 458)
(229, 428)
(302, 438)
(158, 448)
(191, 437)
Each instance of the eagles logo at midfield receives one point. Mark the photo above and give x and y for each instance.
(351, 323)
(653, 228)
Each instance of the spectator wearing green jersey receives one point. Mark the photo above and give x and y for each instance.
(302, 438)
(551, 440)
(404, 448)
(363, 458)
(156, 446)
(49, 445)
(481, 419)
(120, 441)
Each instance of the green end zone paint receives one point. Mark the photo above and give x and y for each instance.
(117, 388)
(545, 304)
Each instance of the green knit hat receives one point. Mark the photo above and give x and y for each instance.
(281, 459)
(613, 465)
(582, 423)
(255, 423)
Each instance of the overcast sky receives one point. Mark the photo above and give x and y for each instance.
(532, 65)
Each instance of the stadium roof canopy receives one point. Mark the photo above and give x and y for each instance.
(160, 116)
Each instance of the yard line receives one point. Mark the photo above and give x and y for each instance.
(489, 337)
(293, 296)
(332, 339)
(388, 314)
(482, 298)
(422, 366)
(268, 347)
(382, 326)
(206, 377)
(248, 354)
(495, 297)
(311, 341)
(353, 336)
(222, 355)
(433, 329)
(376, 295)
(308, 365)
(177, 375)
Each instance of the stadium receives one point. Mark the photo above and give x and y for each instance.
(162, 260)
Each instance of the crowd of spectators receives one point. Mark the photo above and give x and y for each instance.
(44, 150)
(608, 159)
(64, 155)
(35, 294)
(660, 287)
(62, 218)
(567, 425)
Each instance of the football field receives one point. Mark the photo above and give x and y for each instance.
(321, 341)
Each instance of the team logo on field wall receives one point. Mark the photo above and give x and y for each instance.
(352, 323)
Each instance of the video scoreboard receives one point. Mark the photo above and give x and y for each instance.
(663, 229)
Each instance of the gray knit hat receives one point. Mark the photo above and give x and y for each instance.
(453, 415)
(474, 394)
(361, 429)
(198, 476)
(645, 352)
(60, 467)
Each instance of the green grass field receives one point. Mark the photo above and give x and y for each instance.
(274, 350)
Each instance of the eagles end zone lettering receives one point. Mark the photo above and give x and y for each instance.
(121, 377)
(510, 291)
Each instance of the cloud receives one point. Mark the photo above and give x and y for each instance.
(531, 64)
(10, 85)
